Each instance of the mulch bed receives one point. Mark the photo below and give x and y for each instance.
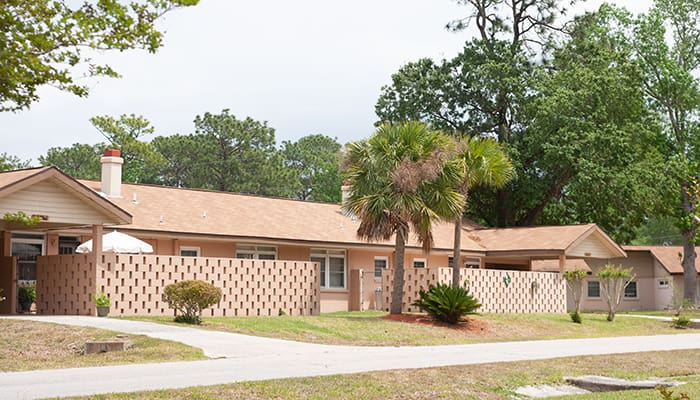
(465, 324)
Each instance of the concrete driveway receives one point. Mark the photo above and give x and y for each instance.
(252, 358)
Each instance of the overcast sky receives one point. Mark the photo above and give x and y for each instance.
(305, 66)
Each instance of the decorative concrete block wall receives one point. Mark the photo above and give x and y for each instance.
(65, 285)
(525, 292)
(135, 284)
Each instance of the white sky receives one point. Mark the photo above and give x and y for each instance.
(305, 66)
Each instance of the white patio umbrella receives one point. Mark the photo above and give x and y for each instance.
(117, 242)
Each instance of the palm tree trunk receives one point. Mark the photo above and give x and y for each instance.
(456, 262)
(397, 293)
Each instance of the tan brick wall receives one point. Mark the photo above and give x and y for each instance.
(135, 284)
(488, 286)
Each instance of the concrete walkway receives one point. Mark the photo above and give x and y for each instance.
(253, 358)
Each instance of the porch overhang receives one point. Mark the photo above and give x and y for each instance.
(59, 201)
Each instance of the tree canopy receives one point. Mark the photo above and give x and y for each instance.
(566, 104)
(46, 42)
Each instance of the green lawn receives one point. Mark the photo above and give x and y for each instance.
(369, 328)
(36, 345)
(486, 381)
(667, 313)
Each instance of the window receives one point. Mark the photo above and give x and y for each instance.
(419, 263)
(450, 261)
(332, 267)
(256, 252)
(67, 244)
(189, 251)
(664, 283)
(473, 263)
(593, 289)
(26, 247)
(631, 291)
(380, 264)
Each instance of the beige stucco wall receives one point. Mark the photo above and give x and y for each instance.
(645, 270)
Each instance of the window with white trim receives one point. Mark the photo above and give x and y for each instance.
(332, 267)
(189, 251)
(593, 289)
(664, 283)
(380, 264)
(256, 252)
(420, 263)
(68, 244)
(631, 291)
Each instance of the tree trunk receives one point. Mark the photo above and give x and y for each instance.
(690, 274)
(397, 293)
(504, 213)
(456, 262)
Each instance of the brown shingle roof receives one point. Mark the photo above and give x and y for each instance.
(249, 217)
(530, 238)
(8, 178)
(204, 212)
(670, 257)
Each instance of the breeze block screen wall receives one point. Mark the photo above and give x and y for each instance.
(498, 291)
(66, 284)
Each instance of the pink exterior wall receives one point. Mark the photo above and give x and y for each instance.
(488, 286)
(66, 284)
(293, 253)
(364, 260)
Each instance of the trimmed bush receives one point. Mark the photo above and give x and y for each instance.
(446, 303)
(189, 298)
(576, 317)
(681, 322)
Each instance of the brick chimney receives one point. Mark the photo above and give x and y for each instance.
(112, 173)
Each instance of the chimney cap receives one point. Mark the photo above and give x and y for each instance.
(112, 153)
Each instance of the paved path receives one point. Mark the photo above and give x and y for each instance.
(252, 358)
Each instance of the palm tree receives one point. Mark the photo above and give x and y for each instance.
(482, 162)
(402, 178)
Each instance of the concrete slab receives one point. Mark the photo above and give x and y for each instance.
(595, 383)
(544, 391)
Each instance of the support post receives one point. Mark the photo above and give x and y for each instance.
(562, 263)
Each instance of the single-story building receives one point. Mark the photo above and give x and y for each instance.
(299, 256)
(658, 282)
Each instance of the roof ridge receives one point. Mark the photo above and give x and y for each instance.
(214, 191)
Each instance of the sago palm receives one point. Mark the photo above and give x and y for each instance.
(482, 162)
(403, 178)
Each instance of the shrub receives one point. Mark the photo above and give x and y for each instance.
(681, 322)
(102, 300)
(576, 317)
(189, 298)
(26, 294)
(446, 303)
